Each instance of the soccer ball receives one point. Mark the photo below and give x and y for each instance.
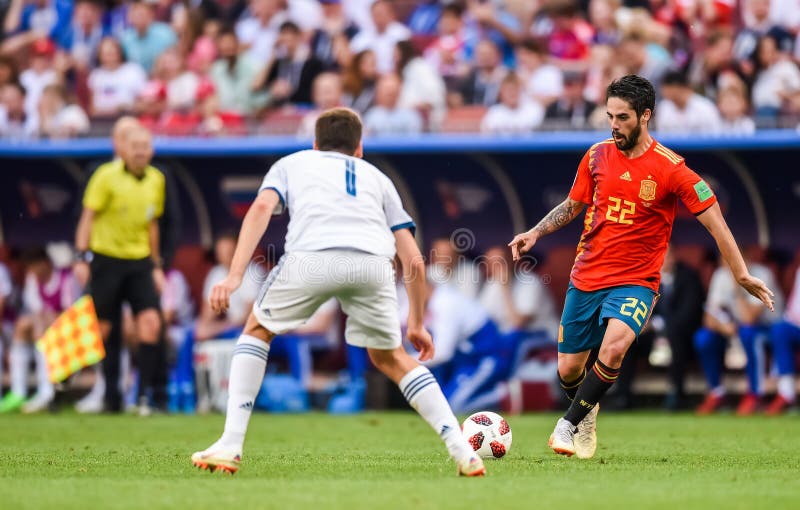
(488, 433)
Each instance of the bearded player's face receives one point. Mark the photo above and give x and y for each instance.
(626, 126)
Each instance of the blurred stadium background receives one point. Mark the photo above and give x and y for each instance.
(479, 111)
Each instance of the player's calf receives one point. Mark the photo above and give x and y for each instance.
(423, 393)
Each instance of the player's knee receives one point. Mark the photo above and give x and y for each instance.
(149, 326)
(569, 370)
(253, 328)
(382, 359)
(391, 361)
(613, 353)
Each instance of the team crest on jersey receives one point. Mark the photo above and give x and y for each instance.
(647, 190)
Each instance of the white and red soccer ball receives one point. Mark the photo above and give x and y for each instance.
(488, 433)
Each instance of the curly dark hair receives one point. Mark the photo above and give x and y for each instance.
(636, 91)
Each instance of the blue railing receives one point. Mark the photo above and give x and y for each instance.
(428, 143)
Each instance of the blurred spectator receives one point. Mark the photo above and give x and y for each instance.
(187, 26)
(41, 73)
(757, 24)
(6, 291)
(777, 79)
(517, 301)
(226, 11)
(177, 310)
(733, 108)
(482, 84)
(359, 81)
(258, 30)
(306, 14)
(471, 356)
(677, 316)
(327, 94)
(58, 118)
(48, 292)
(422, 88)
(542, 82)
(729, 312)
(29, 20)
(358, 11)
(785, 338)
(602, 18)
(447, 53)
(649, 61)
(146, 38)
(181, 84)
(330, 43)
(209, 324)
(176, 306)
(425, 18)
(449, 266)
(387, 117)
(115, 84)
(383, 38)
(289, 77)
(714, 67)
(82, 38)
(488, 19)
(571, 36)
(514, 114)
(15, 123)
(233, 75)
(684, 111)
(571, 110)
(9, 72)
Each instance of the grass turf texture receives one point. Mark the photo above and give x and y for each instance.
(393, 460)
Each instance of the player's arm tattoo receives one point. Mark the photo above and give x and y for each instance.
(561, 214)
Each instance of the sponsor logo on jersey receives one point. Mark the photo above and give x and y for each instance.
(626, 176)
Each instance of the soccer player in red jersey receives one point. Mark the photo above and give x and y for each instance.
(631, 184)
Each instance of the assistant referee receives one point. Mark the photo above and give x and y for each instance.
(117, 241)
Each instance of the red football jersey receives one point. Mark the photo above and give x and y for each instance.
(632, 205)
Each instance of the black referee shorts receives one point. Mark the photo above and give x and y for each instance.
(115, 281)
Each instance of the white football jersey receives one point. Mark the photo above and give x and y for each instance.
(336, 201)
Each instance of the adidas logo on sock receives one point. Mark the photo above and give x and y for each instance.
(247, 406)
(445, 429)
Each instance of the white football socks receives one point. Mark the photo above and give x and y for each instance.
(45, 387)
(786, 387)
(246, 376)
(424, 394)
(19, 358)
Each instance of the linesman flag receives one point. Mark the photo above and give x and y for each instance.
(73, 341)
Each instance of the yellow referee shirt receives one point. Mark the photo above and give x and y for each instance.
(124, 206)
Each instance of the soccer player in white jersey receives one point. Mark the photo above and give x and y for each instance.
(347, 223)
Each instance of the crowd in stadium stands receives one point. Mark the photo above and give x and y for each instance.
(216, 67)
(494, 324)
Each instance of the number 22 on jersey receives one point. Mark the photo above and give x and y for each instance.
(618, 209)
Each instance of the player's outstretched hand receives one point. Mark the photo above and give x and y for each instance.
(759, 289)
(422, 342)
(521, 244)
(221, 293)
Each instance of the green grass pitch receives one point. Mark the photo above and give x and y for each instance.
(392, 460)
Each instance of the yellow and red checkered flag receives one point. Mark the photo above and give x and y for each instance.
(73, 341)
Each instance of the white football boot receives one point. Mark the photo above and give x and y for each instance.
(562, 440)
(218, 457)
(586, 437)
